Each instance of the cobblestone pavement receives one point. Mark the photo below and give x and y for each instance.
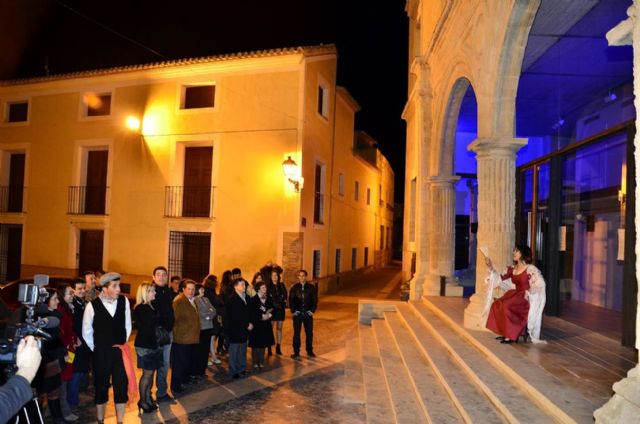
(293, 394)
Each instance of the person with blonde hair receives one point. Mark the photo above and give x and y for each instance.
(149, 353)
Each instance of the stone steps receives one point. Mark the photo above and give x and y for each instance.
(415, 367)
(517, 402)
(404, 400)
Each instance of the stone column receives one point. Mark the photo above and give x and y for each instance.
(496, 211)
(624, 406)
(441, 234)
(422, 97)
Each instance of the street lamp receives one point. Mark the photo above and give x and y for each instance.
(132, 123)
(290, 168)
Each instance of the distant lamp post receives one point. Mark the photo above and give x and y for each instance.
(290, 168)
(132, 123)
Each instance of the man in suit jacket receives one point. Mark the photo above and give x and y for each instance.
(238, 325)
(303, 301)
(186, 337)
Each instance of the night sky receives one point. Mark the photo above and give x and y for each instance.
(371, 38)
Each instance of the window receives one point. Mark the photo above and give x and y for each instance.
(354, 258)
(318, 204)
(98, 104)
(356, 188)
(338, 260)
(380, 195)
(189, 254)
(198, 96)
(412, 211)
(316, 264)
(388, 237)
(368, 195)
(341, 184)
(381, 237)
(366, 256)
(17, 111)
(323, 101)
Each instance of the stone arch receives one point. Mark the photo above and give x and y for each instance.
(448, 125)
(510, 65)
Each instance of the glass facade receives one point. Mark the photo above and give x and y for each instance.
(584, 187)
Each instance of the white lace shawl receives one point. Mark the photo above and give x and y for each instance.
(536, 295)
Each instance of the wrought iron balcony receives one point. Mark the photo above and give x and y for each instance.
(189, 202)
(87, 200)
(11, 199)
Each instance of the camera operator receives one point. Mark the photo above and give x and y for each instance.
(17, 392)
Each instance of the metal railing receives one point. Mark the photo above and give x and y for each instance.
(191, 202)
(87, 200)
(11, 199)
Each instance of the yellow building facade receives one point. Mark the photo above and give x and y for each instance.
(181, 164)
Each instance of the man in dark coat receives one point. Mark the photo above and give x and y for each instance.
(303, 301)
(237, 324)
(82, 360)
(163, 303)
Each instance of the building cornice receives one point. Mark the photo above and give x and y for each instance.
(178, 67)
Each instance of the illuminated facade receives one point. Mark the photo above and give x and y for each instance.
(521, 128)
(181, 163)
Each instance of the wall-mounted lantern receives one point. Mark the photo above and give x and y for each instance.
(290, 168)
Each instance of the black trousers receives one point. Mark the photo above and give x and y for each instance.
(108, 369)
(298, 322)
(203, 351)
(183, 363)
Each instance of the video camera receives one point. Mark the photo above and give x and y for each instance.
(29, 295)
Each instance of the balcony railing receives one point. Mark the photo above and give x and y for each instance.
(11, 199)
(191, 202)
(87, 200)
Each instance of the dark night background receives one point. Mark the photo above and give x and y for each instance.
(371, 38)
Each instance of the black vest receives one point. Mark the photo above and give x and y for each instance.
(108, 330)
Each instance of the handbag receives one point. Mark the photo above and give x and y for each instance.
(162, 336)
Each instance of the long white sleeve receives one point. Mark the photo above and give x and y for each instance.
(87, 325)
(127, 317)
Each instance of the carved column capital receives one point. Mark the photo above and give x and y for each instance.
(496, 147)
(442, 181)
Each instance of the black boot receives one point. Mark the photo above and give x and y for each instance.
(56, 411)
(269, 351)
(278, 351)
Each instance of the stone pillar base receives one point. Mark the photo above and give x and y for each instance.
(624, 406)
(417, 287)
(473, 318)
(453, 290)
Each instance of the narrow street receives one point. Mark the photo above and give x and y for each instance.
(287, 390)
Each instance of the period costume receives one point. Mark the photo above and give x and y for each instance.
(521, 306)
(106, 327)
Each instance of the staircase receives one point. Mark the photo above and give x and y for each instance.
(411, 363)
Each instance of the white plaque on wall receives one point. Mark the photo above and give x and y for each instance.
(620, 244)
(563, 238)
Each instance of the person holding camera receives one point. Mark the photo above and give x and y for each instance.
(303, 301)
(106, 327)
(49, 379)
(17, 391)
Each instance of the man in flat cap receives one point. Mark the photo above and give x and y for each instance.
(106, 326)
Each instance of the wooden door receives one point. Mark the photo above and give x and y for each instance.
(16, 182)
(196, 197)
(96, 189)
(90, 251)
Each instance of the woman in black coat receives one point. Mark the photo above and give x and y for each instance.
(148, 352)
(261, 336)
(278, 294)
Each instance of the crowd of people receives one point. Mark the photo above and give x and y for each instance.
(181, 324)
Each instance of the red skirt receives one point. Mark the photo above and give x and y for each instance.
(508, 315)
